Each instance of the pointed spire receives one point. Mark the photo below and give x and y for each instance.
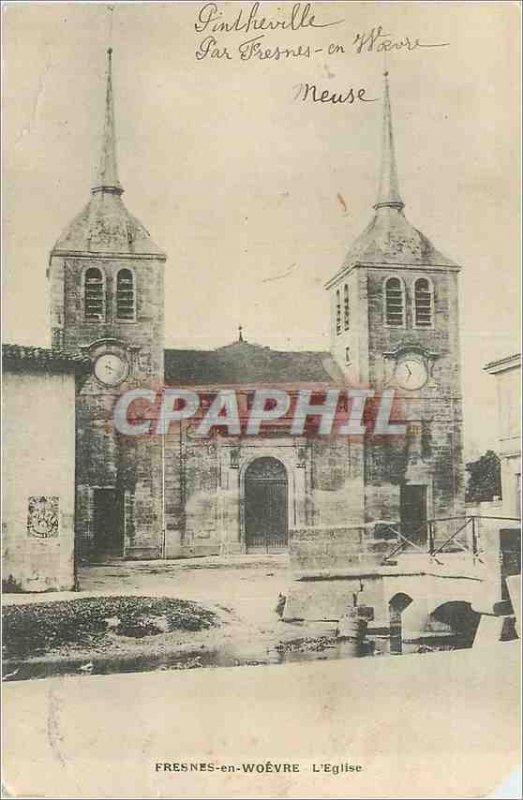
(107, 177)
(389, 193)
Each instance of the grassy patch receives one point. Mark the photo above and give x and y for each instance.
(307, 644)
(41, 628)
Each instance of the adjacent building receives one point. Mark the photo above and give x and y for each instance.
(39, 391)
(508, 378)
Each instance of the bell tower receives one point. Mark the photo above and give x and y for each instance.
(105, 271)
(106, 287)
(395, 324)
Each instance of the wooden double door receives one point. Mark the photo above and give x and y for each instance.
(266, 504)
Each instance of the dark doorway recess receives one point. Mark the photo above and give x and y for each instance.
(413, 510)
(108, 522)
(266, 506)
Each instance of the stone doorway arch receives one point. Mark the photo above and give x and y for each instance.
(266, 502)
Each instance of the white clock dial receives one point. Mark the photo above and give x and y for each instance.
(411, 373)
(110, 369)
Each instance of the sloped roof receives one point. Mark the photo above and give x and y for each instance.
(246, 363)
(503, 364)
(22, 358)
(391, 239)
(105, 226)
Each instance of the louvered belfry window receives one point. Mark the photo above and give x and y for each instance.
(423, 303)
(346, 317)
(338, 311)
(125, 294)
(394, 303)
(94, 295)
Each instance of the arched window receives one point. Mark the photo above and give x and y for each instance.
(94, 295)
(423, 303)
(125, 294)
(394, 303)
(338, 311)
(346, 317)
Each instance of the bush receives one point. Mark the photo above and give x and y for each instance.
(38, 628)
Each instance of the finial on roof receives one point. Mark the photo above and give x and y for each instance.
(389, 193)
(107, 177)
(240, 333)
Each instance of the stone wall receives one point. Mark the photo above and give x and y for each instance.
(324, 549)
(70, 331)
(105, 460)
(432, 452)
(324, 487)
(38, 493)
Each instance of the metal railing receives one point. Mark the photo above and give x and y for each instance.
(428, 529)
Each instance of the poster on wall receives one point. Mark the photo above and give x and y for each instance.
(261, 372)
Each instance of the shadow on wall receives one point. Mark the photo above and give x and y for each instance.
(455, 620)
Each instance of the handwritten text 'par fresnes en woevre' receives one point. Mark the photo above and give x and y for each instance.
(244, 34)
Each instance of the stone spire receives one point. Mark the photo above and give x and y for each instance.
(107, 176)
(389, 193)
(105, 225)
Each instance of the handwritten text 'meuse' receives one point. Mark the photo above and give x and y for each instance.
(311, 92)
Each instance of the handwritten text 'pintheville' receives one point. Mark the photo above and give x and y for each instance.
(257, 32)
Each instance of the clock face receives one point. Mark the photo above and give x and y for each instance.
(110, 369)
(411, 373)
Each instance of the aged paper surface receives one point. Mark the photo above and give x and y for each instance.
(262, 465)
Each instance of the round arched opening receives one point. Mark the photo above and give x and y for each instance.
(455, 620)
(397, 605)
(266, 506)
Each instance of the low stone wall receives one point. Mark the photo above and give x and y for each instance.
(330, 548)
(324, 598)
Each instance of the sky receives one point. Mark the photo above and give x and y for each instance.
(255, 195)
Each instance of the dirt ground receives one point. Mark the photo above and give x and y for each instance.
(249, 589)
(244, 592)
(246, 586)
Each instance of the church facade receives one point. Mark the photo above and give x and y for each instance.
(394, 324)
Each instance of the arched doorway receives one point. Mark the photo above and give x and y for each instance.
(266, 506)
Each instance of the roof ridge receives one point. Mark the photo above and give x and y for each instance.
(260, 365)
(43, 356)
(257, 346)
